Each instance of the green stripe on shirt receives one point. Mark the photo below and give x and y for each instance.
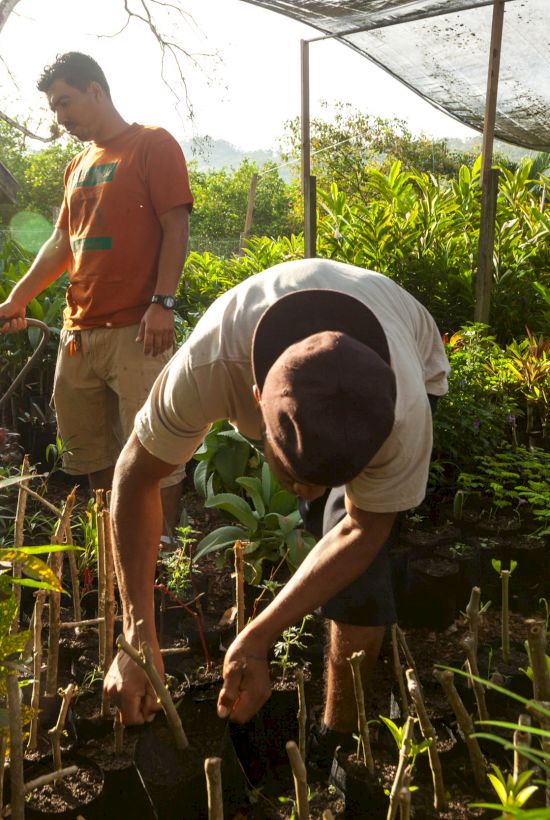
(96, 175)
(92, 243)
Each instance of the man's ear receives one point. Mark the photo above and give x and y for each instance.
(256, 393)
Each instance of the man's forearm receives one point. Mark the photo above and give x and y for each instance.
(52, 260)
(137, 527)
(338, 559)
(173, 250)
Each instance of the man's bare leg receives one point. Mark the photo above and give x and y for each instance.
(344, 639)
(101, 479)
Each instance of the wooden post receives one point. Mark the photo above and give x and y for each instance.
(37, 667)
(310, 218)
(18, 538)
(299, 775)
(489, 179)
(249, 211)
(213, 772)
(239, 585)
(16, 747)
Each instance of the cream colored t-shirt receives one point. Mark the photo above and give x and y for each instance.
(210, 377)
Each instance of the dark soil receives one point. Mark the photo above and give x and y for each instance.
(195, 683)
(73, 792)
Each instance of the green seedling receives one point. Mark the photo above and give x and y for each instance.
(398, 734)
(512, 793)
(505, 618)
(292, 638)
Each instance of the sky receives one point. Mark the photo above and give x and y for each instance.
(243, 81)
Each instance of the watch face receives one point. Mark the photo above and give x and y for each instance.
(167, 302)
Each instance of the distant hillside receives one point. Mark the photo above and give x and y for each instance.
(211, 154)
(473, 145)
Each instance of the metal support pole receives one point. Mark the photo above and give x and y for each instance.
(309, 212)
(488, 181)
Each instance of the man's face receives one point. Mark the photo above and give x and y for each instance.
(76, 111)
(309, 492)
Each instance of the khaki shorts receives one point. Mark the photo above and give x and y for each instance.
(98, 391)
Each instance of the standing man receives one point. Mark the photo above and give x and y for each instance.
(332, 366)
(122, 235)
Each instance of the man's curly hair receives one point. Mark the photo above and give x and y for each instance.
(76, 69)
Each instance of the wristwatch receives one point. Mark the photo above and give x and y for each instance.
(167, 302)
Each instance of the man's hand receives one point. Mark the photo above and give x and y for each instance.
(246, 683)
(156, 330)
(12, 317)
(129, 688)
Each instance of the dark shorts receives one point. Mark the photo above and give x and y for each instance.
(369, 600)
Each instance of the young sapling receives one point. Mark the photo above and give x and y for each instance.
(213, 773)
(355, 661)
(505, 617)
(299, 775)
(428, 732)
(56, 732)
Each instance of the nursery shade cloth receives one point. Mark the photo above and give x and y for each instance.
(440, 49)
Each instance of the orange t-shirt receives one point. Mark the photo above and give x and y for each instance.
(114, 195)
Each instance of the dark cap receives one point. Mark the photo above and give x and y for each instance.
(321, 361)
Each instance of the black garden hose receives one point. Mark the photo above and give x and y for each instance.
(36, 353)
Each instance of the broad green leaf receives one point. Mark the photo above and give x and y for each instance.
(8, 482)
(524, 795)
(267, 483)
(30, 582)
(253, 487)
(200, 477)
(32, 567)
(499, 788)
(283, 503)
(10, 644)
(8, 608)
(396, 732)
(51, 548)
(235, 506)
(218, 539)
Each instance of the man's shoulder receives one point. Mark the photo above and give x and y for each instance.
(154, 134)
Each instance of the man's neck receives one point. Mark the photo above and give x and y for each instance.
(111, 127)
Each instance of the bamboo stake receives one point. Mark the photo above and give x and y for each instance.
(534, 708)
(536, 638)
(56, 732)
(299, 775)
(175, 650)
(101, 574)
(44, 501)
(37, 667)
(19, 525)
(521, 739)
(81, 624)
(302, 713)
(239, 585)
(405, 796)
(473, 615)
(355, 662)
(54, 599)
(446, 679)
(109, 608)
(428, 732)
(213, 772)
(505, 578)
(45, 779)
(405, 647)
(73, 569)
(118, 731)
(479, 692)
(144, 659)
(398, 671)
(402, 766)
(3, 749)
(16, 747)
